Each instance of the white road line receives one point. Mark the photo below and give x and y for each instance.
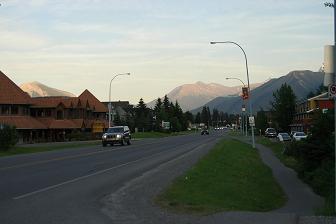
(93, 174)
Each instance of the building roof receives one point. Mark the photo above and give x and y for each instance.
(52, 123)
(22, 122)
(53, 102)
(94, 103)
(322, 96)
(10, 93)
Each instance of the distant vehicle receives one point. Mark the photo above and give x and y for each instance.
(117, 134)
(270, 133)
(204, 132)
(283, 137)
(297, 136)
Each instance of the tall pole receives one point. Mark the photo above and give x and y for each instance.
(110, 104)
(243, 112)
(335, 99)
(248, 81)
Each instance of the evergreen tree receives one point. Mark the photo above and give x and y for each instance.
(261, 120)
(283, 107)
(215, 116)
(189, 117)
(158, 114)
(142, 120)
(204, 115)
(117, 120)
(198, 118)
(166, 105)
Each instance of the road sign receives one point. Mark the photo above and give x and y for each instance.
(332, 91)
(251, 121)
(165, 125)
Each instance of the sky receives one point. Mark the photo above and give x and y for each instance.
(75, 45)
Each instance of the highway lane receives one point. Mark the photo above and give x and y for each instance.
(67, 186)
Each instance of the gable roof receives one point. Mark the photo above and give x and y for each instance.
(53, 102)
(10, 93)
(94, 103)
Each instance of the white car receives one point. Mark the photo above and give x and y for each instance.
(297, 136)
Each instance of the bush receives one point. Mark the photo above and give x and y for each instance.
(82, 136)
(8, 137)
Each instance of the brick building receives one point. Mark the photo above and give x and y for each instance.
(49, 118)
(305, 109)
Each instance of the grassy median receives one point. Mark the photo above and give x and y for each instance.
(154, 134)
(231, 177)
(44, 148)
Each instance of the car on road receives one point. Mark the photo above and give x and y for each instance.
(205, 132)
(297, 136)
(270, 133)
(283, 137)
(117, 134)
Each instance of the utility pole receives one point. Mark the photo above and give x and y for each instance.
(332, 5)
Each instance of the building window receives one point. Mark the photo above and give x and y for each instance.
(14, 109)
(48, 113)
(5, 109)
(60, 115)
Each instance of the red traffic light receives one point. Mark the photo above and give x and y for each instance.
(245, 94)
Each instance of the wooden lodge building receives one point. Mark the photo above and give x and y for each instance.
(44, 119)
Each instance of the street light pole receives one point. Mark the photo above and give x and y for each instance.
(110, 104)
(248, 80)
(244, 120)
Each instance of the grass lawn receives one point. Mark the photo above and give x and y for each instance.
(154, 134)
(231, 177)
(35, 148)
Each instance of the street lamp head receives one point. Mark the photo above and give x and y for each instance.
(212, 42)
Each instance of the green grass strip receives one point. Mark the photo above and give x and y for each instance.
(231, 177)
(35, 148)
(154, 134)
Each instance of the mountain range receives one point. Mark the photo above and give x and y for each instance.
(191, 96)
(302, 83)
(36, 89)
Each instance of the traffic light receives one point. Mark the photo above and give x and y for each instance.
(245, 92)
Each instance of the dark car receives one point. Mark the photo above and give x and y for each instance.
(271, 133)
(204, 132)
(117, 134)
(283, 137)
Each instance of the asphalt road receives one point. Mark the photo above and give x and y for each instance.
(68, 186)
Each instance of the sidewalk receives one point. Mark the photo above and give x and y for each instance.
(302, 201)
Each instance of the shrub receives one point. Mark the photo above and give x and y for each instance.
(8, 137)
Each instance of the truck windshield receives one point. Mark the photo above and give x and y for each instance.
(115, 130)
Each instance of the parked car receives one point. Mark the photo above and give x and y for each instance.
(205, 132)
(117, 134)
(282, 137)
(270, 132)
(297, 136)
(292, 133)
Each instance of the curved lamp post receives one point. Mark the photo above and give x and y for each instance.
(248, 79)
(243, 100)
(110, 104)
